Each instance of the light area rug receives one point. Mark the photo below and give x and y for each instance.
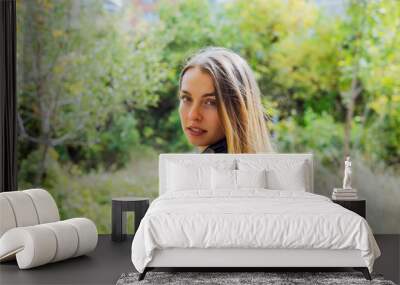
(269, 278)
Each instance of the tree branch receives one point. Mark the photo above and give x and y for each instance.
(23, 132)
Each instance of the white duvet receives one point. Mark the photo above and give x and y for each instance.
(252, 218)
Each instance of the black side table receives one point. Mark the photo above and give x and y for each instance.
(119, 208)
(358, 206)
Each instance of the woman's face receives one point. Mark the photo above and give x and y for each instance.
(198, 109)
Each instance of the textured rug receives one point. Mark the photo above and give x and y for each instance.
(273, 278)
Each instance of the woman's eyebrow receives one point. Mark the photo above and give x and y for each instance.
(204, 95)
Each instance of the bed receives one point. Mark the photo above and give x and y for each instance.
(247, 210)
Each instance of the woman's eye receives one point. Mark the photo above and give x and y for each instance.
(185, 98)
(210, 102)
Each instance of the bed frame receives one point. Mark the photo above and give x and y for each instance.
(241, 259)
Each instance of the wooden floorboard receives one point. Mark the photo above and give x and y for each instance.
(111, 259)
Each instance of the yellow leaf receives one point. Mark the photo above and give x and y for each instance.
(57, 33)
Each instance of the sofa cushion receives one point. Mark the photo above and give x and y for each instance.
(27, 208)
(7, 215)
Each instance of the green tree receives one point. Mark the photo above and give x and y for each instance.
(78, 75)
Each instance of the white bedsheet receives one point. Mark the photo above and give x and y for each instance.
(251, 218)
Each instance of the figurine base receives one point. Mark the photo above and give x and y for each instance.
(344, 194)
(344, 190)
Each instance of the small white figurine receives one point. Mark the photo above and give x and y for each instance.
(347, 174)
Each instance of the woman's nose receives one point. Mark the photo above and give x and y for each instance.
(195, 113)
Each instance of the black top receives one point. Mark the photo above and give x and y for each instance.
(218, 147)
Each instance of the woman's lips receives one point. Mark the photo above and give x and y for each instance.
(196, 131)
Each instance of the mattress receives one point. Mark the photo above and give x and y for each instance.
(250, 219)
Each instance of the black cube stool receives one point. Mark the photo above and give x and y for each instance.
(119, 208)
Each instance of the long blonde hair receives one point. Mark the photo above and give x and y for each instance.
(238, 99)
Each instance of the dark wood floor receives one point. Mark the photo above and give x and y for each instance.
(111, 259)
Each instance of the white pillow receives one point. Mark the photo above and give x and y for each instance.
(279, 181)
(251, 178)
(223, 179)
(193, 174)
(227, 179)
(187, 177)
(282, 174)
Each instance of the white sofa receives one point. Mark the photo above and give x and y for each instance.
(31, 231)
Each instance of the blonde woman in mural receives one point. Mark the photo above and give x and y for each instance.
(220, 104)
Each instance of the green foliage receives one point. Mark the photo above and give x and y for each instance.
(89, 195)
(27, 168)
(80, 82)
(303, 60)
(113, 143)
(319, 135)
(108, 86)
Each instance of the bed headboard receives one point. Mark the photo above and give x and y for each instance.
(207, 158)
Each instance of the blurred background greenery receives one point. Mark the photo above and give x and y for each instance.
(97, 92)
